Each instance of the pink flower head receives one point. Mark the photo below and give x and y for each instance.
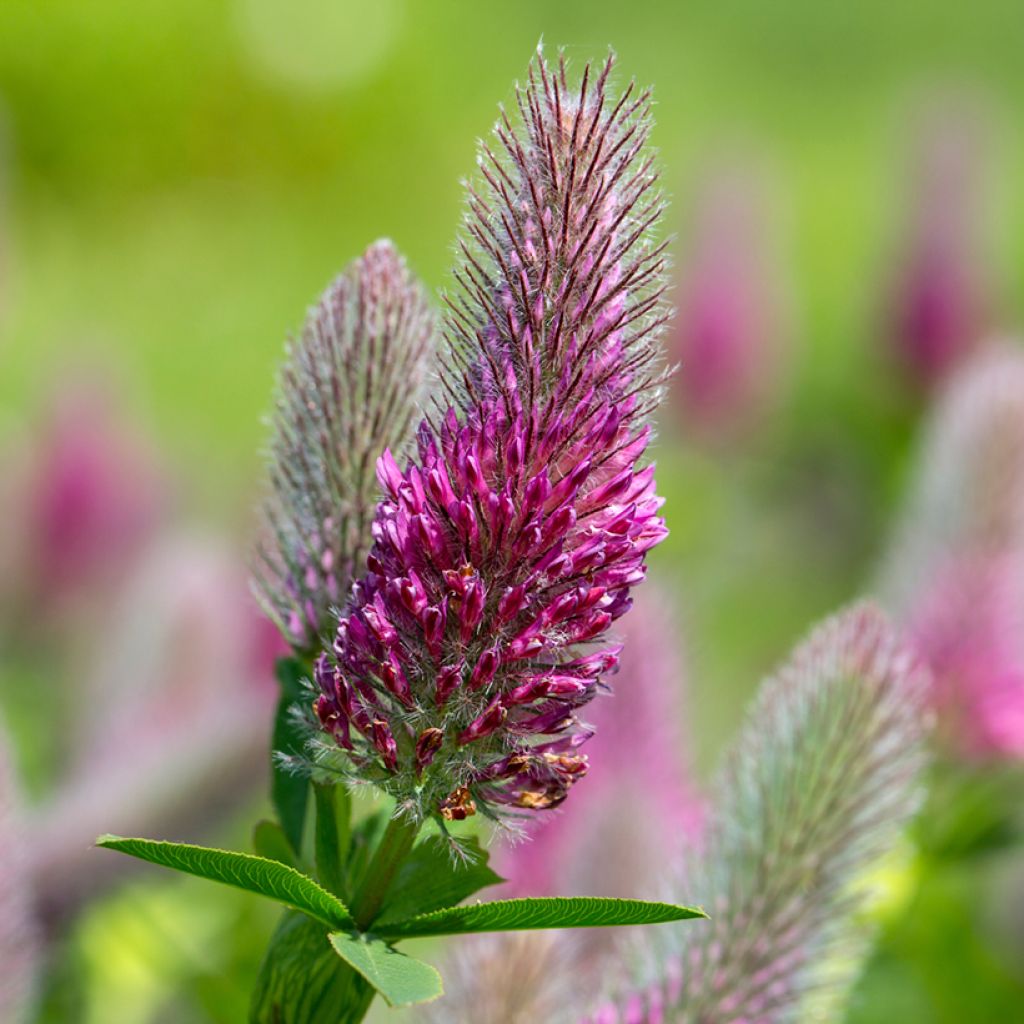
(969, 627)
(348, 389)
(728, 330)
(635, 814)
(95, 497)
(939, 309)
(517, 533)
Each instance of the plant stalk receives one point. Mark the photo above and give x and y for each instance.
(394, 847)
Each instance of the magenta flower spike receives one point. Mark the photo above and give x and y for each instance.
(657, 791)
(349, 387)
(954, 573)
(818, 786)
(18, 938)
(507, 547)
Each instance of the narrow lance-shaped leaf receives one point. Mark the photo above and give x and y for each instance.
(543, 912)
(400, 979)
(241, 870)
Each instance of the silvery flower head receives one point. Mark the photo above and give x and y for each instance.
(505, 549)
(348, 389)
(818, 786)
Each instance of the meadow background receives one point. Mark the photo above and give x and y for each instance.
(179, 181)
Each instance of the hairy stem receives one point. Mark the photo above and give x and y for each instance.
(333, 811)
(394, 847)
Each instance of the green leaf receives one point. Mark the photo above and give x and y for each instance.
(546, 912)
(242, 870)
(288, 791)
(400, 979)
(430, 879)
(269, 841)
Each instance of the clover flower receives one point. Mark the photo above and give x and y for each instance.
(89, 497)
(513, 978)
(348, 389)
(819, 784)
(519, 529)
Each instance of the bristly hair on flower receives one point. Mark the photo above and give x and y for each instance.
(561, 286)
(518, 530)
(819, 784)
(349, 388)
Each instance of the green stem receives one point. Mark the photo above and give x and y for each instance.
(394, 847)
(333, 813)
(303, 981)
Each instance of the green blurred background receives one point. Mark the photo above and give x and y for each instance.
(180, 180)
(183, 179)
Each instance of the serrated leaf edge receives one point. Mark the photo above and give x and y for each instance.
(342, 921)
(398, 929)
(364, 936)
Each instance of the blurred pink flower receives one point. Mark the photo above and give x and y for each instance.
(942, 290)
(92, 497)
(176, 717)
(18, 945)
(970, 629)
(729, 328)
(954, 574)
(654, 793)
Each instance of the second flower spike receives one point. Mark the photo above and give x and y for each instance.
(349, 388)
